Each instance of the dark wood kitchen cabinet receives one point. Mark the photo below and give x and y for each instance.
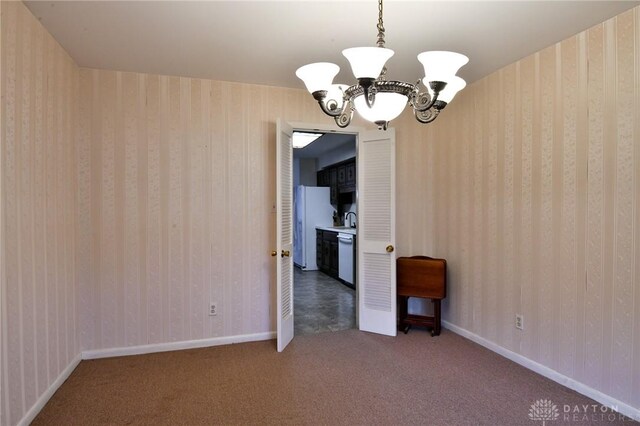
(333, 185)
(326, 256)
(319, 256)
(327, 252)
(333, 260)
(339, 177)
(342, 175)
(323, 177)
(349, 184)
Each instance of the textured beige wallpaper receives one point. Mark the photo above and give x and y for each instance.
(39, 287)
(529, 185)
(176, 205)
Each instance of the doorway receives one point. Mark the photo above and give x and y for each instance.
(325, 232)
(376, 277)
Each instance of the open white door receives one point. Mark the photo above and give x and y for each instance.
(284, 233)
(376, 232)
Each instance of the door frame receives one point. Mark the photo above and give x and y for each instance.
(333, 128)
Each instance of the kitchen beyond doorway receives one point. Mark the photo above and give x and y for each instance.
(322, 301)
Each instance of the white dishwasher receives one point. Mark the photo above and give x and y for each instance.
(345, 257)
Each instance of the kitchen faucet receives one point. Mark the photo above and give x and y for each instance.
(355, 217)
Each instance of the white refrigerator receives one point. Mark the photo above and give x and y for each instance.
(311, 208)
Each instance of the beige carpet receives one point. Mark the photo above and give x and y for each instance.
(346, 377)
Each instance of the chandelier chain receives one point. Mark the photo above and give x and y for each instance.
(380, 25)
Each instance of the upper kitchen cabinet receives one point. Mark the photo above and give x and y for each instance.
(324, 178)
(349, 184)
(333, 185)
(340, 177)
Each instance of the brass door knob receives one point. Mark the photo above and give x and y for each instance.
(274, 253)
(389, 248)
(285, 253)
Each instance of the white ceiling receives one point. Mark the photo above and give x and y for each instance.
(264, 42)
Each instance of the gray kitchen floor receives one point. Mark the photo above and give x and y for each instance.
(321, 303)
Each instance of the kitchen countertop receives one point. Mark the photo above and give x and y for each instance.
(342, 229)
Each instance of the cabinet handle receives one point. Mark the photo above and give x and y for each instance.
(285, 253)
(274, 253)
(389, 248)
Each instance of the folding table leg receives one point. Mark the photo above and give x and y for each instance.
(436, 317)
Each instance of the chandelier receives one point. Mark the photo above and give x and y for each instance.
(377, 99)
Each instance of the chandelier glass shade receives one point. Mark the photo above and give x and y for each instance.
(374, 97)
(367, 62)
(454, 85)
(387, 107)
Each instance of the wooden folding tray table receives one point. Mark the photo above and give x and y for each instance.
(424, 277)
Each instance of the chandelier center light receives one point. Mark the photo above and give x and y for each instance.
(374, 97)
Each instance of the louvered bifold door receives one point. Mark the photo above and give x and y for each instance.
(284, 233)
(376, 232)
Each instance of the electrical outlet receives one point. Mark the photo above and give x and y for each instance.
(519, 322)
(213, 310)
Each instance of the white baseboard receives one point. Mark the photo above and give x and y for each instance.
(135, 350)
(175, 346)
(547, 372)
(46, 396)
